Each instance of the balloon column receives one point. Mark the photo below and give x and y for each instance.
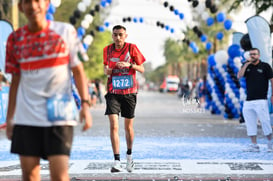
(52, 9)
(232, 85)
(87, 20)
(216, 80)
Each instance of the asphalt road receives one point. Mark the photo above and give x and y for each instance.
(174, 140)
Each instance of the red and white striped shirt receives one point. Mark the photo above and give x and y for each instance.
(43, 60)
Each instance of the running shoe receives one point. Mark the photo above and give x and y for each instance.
(130, 165)
(117, 167)
(252, 148)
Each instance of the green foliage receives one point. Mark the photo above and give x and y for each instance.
(157, 76)
(66, 10)
(94, 66)
(260, 5)
(172, 52)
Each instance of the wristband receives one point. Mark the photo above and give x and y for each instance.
(131, 65)
(85, 101)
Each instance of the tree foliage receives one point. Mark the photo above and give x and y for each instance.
(94, 66)
(260, 5)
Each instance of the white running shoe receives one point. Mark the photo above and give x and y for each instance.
(130, 165)
(117, 167)
(252, 148)
(270, 146)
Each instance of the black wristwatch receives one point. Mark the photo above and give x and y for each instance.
(85, 101)
(131, 65)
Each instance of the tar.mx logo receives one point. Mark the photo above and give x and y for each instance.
(191, 105)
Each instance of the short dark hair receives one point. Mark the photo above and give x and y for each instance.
(255, 49)
(117, 27)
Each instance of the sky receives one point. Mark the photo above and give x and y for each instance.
(149, 38)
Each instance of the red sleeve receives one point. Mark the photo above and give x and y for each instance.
(12, 65)
(137, 55)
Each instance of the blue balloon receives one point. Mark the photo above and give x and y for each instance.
(80, 31)
(211, 60)
(181, 16)
(85, 46)
(109, 1)
(103, 3)
(220, 17)
(210, 21)
(49, 16)
(234, 51)
(51, 8)
(80, 37)
(203, 38)
(195, 49)
(101, 29)
(172, 30)
(141, 20)
(106, 24)
(208, 45)
(219, 35)
(192, 44)
(176, 12)
(135, 20)
(227, 24)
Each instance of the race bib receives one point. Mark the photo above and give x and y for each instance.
(60, 108)
(122, 82)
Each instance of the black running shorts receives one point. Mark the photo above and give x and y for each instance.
(124, 104)
(42, 141)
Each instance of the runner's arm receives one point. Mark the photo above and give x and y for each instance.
(81, 84)
(12, 103)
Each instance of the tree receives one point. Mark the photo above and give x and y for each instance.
(260, 6)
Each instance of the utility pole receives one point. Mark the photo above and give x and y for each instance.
(14, 7)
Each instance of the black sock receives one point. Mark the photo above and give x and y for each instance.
(129, 151)
(117, 157)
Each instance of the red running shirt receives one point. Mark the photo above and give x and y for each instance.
(122, 81)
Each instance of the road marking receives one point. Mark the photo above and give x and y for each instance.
(230, 167)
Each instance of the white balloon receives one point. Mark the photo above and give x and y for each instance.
(88, 39)
(200, 8)
(231, 95)
(85, 24)
(88, 17)
(161, 1)
(182, 36)
(234, 100)
(221, 57)
(87, 2)
(246, 55)
(56, 3)
(205, 16)
(222, 71)
(82, 7)
(237, 60)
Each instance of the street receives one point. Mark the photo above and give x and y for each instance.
(174, 140)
